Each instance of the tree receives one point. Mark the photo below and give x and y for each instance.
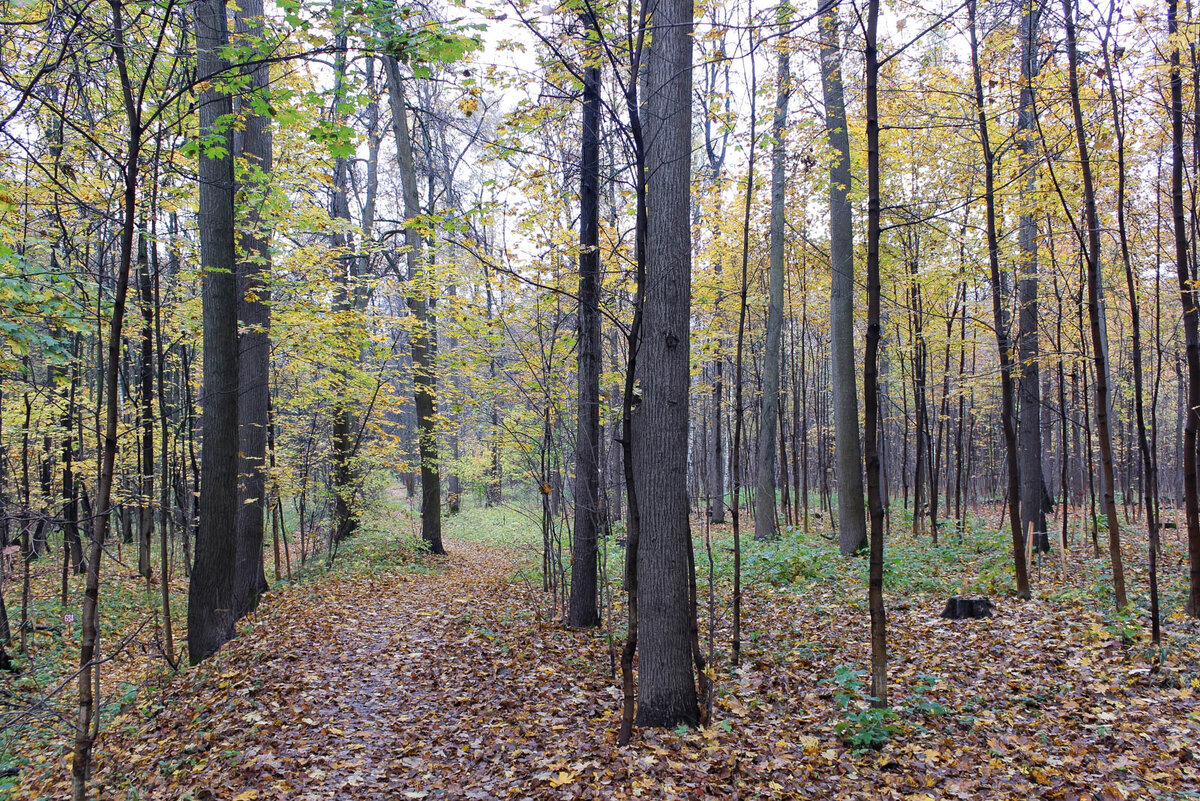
(423, 343)
(765, 524)
(1090, 243)
(584, 611)
(1191, 321)
(1149, 464)
(871, 371)
(999, 317)
(667, 688)
(345, 518)
(210, 591)
(254, 317)
(131, 96)
(1035, 501)
(852, 532)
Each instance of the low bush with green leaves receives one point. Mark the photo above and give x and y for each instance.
(862, 726)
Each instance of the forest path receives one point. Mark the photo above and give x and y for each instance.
(422, 683)
(388, 679)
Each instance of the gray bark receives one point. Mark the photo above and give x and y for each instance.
(254, 357)
(424, 346)
(766, 526)
(210, 592)
(666, 686)
(1035, 501)
(584, 610)
(852, 523)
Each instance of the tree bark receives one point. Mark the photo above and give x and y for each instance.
(90, 618)
(852, 522)
(1035, 501)
(584, 608)
(1191, 326)
(871, 372)
(210, 592)
(254, 320)
(1149, 465)
(1000, 321)
(667, 687)
(146, 412)
(345, 518)
(1096, 313)
(424, 347)
(766, 523)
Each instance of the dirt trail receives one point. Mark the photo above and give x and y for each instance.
(414, 685)
(441, 683)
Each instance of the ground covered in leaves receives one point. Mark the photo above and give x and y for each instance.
(448, 679)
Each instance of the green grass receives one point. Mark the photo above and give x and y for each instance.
(515, 521)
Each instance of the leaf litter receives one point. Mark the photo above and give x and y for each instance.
(442, 683)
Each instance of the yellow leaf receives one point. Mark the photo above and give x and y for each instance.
(563, 777)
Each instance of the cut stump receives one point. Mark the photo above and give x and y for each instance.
(959, 608)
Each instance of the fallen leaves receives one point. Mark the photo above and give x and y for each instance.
(444, 685)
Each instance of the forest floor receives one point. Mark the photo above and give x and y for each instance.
(397, 676)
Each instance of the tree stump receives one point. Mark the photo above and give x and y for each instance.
(958, 608)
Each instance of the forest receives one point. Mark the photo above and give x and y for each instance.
(586, 399)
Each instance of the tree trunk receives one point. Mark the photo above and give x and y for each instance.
(667, 687)
(1149, 467)
(1000, 321)
(345, 518)
(584, 610)
(90, 618)
(424, 347)
(766, 524)
(852, 525)
(871, 372)
(1096, 312)
(146, 376)
(210, 592)
(735, 456)
(254, 320)
(1035, 501)
(1191, 326)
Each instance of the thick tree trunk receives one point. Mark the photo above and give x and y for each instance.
(584, 609)
(1035, 501)
(667, 687)
(254, 320)
(852, 523)
(424, 346)
(1191, 326)
(210, 592)
(766, 523)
